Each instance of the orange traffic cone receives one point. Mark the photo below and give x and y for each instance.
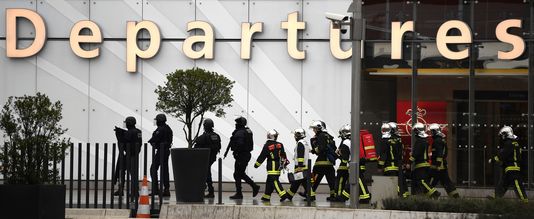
(143, 211)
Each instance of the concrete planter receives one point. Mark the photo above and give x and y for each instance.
(32, 201)
(190, 168)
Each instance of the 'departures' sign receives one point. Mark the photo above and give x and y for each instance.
(292, 25)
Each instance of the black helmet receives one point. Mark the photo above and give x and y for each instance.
(208, 123)
(161, 118)
(130, 121)
(241, 121)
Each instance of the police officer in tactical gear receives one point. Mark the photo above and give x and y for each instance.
(510, 158)
(161, 141)
(343, 152)
(274, 152)
(132, 139)
(323, 165)
(438, 169)
(241, 144)
(390, 156)
(120, 168)
(300, 159)
(420, 182)
(211, 140)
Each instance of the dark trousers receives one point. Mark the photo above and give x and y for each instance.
(128, 165)
(420, 182)
(295, 186)
(365, 195)
(272, 184)
(511, 178)
(120, 170)
(240, 166)
(341, 180)
(402, 186)
(319, 172)
(209, 180)
(160, 159)
(442, 176)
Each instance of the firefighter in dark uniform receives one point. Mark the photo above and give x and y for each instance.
(161, 141)
(273, 151)
(420, 182)
(390, 156)
(323, 165)
(132, 139)
(439, 171)
(343, 152)
(241, 144)
(211, 140)
(510, 158)
(302, 151)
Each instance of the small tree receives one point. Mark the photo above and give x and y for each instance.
(34, 142)
(189, 94)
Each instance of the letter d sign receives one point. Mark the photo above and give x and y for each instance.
(11, 33)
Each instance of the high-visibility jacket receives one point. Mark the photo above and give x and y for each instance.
(510, 155)
(302, 151)
(274, 152)
(390, 153)
(420, 153)
(439, 152)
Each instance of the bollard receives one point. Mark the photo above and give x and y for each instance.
(219, 183)
(309, 185)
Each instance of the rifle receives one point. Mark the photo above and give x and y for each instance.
(227, 149)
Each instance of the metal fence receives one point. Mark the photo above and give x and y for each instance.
(98, 183)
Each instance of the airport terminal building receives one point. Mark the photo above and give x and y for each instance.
(462, 64)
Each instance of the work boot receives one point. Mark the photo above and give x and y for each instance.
(154, 193)
(332, 198)
(435, 195)
(209, 195)
(166, 193)
(365, 201)
(265, 199)
(341, 199)
(255, 190)
(237, 195)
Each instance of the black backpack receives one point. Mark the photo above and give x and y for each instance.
(249, 142)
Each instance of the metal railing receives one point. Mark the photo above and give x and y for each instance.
(96, 175)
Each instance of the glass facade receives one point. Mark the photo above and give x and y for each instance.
(471, 98)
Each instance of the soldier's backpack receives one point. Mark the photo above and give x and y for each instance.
(249, 142)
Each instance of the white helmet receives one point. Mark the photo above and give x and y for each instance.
(345, 131)
(419, 130)
(393, 127)
(299, 133)
(272, 135)
(386, 130)
(507, 132)
(435, 129)
(317, 125)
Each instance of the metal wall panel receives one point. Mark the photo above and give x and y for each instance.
(274, 94)
(272, 13)
(66, 78)
(326, 88)
(17, 76)
(115, 93)
(225, 16)
(112, 15)
(25, 29)
(171, 16)
(317, 26)
(60, 16)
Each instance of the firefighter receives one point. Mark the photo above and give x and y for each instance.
(343, 152)
(273, 151)
(439, 171)
(161, 141)
(510, 158)
(301, 156)
(420, 178)
(241, 144)
(211, 140)
(390, 156)
(132, 139)
(324, 165)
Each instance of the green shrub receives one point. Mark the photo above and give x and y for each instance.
(496, 208)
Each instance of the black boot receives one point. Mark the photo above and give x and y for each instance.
(166, 193)
(237, 195)
(255, 190)
(118, 193)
